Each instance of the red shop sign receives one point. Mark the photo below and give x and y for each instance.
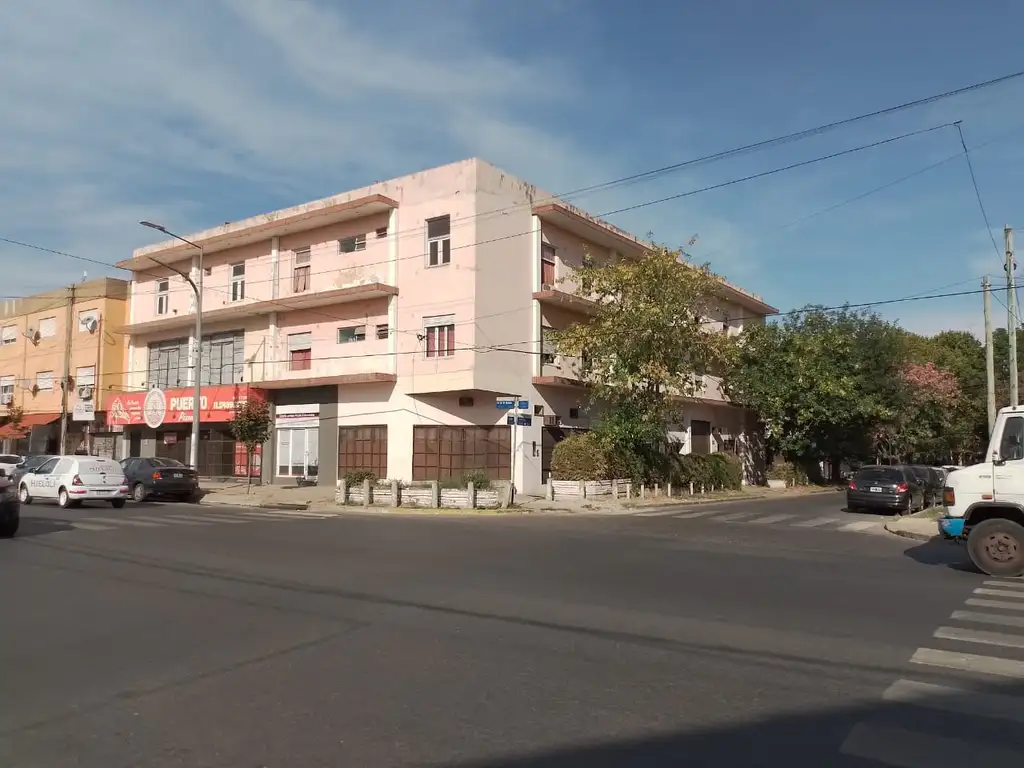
(174, 406)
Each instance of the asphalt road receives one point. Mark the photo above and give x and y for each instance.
(173, 635)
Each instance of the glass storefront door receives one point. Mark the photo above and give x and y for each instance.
(298, 451)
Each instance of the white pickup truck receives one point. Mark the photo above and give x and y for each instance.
(984, 503)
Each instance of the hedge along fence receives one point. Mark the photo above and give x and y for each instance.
(622, 489)
(429, 496)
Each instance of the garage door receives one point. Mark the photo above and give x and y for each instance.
(446, 453)
(363, 449)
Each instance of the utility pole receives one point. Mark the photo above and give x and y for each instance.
(1011, 318)
(65, 382)
(990, 357)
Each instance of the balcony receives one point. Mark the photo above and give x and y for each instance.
(301, 301)
(563, 300)
(365, 369)
(559, 371)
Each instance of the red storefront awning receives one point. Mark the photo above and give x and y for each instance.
(28, 420)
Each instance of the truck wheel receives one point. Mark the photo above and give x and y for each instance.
(996, 547)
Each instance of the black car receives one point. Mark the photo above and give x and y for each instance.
(10, 507)
(933, 482)
(885, 487)
(159, 477)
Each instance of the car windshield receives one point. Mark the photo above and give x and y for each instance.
(166, 463)
(881, 474)
(34, 461)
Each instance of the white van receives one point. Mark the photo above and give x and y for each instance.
(70, 480)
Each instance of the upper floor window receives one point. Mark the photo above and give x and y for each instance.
(300, 351)
(300, 271)
(439, 334)
(44, 381)
(9, 334)
(48, 327)
(382, 232)
(439, 241)
(725, 322)
(163, 296)
(237, 282)
(547, 265)
(85, 376)
(352, 244)
(6, 390)
(383, 331)
(352, 333)
(548, 350)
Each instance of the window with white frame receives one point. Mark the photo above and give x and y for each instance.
(352, 244)
(163, 296)
(44, 381)
(48, 327)
(237, 282)
(6, 390)
(88, 320)
(10, 334)
(439, 241)
(439, 335)
(300, 271)
(351, 333)
(85, 376)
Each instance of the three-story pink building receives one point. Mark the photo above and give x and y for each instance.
(382, 325)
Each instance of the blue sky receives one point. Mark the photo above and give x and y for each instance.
(203, 111)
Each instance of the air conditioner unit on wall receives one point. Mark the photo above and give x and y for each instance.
(85, 392)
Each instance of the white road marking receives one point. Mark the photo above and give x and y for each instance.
(999, 593)
(283, 515)
(125, 521)
(969, 662)
(670, 512)
(699, 513)
(908, 749)
(731, 518)
(167, 519)
(861, 525)
(1006, 584)
(212, 519)
(996, 604)
(815, 522)
(988, 618)
(770, 519)
(87, 527)
(980, 636)
(957, 700)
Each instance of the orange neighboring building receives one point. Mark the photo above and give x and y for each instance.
(35, 347)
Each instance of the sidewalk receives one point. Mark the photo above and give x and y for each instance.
(269, 496)
(921, 526)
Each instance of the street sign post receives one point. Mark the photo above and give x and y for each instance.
(515, 404)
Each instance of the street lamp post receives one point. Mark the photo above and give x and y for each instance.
(197, 361)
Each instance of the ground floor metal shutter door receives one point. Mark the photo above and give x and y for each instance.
(448, 453)
(363, 449)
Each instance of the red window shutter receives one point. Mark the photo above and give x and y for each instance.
(431, 342)
(450, 346)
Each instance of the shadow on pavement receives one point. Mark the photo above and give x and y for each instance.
(913, 725)
(41, 526)
(940, 552)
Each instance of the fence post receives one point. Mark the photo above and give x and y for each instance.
(583, 489)
(668, 490)
(615, 490)
(435, 494)
(366, 491)
(549, 493)
(470, 495)
(342, 495)
(395, 491)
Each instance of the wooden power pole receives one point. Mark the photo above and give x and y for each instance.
(65, 382)
(990, 357)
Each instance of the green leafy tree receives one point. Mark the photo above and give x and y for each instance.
(251, 427)
(647, 337)
(819, 382)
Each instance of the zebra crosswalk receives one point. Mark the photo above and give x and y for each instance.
(974, 667)
(198, 519)
(841, 522)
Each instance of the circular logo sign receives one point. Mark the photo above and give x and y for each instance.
(154, 408)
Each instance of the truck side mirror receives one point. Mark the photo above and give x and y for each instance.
(996, 460)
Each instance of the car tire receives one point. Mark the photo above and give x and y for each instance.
(853, 508)
(139, 492)
(9, 530)
(118, 503)
(23, 495)
(996, 547)
(64, 498)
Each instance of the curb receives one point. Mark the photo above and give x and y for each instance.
(280, 506)
(910, 534)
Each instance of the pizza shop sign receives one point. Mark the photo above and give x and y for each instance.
(174, 406)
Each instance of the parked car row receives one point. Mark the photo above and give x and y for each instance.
(70, 480)
(899, 488)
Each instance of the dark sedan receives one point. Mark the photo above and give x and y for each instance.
(29, 464)
(10, 508)
(885, 487)
(160, 478)
(932, 481)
